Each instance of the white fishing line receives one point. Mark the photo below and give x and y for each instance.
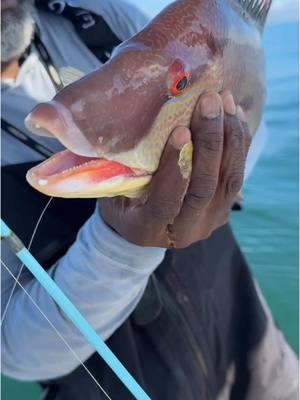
(22, 266)
(57, 332)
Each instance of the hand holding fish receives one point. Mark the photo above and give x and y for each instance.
(176, 211)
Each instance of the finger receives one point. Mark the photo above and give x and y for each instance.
(145, 221)
(234, 151)
(168, 186)
(207, 135)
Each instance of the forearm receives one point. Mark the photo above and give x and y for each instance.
(103, 275)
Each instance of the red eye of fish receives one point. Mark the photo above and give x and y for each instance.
(180, 83)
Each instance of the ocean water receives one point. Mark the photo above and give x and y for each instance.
(267, 229)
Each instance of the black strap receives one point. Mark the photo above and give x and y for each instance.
(25, 139)
(90, 27)
(47, 61)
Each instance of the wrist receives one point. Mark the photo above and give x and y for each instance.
(114, 245)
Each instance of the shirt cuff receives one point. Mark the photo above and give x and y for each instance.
(99, 237)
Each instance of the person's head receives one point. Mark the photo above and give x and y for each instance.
(17, 26)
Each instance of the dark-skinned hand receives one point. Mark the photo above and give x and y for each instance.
(177, 212)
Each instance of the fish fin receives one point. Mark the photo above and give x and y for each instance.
(69, 75)
(185, 160)
(257, 9)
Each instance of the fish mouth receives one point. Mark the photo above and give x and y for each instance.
(69, 175)
(78, 172)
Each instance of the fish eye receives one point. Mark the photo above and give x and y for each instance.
(180, 83)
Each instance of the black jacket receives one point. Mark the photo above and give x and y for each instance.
(200, 313)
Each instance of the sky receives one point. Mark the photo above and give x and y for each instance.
(281, 11)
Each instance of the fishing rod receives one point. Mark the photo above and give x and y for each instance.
(71, 311)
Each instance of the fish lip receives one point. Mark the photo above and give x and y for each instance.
(60, 125)
(37, 129)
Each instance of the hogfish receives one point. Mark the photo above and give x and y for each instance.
(115, 121)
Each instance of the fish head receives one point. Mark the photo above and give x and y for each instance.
(116, 121)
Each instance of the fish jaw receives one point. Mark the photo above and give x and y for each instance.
(69, 175)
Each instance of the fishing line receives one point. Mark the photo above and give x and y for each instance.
(56, 330)
(22, 266)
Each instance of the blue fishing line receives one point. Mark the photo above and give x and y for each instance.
(71, 311)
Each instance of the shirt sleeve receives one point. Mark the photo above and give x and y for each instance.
(102, 274)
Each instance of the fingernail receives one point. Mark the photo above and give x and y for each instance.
(180, 137)
(229, 104)
(241, 114)
(210, 106)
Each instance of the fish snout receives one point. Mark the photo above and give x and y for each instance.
(54, 120)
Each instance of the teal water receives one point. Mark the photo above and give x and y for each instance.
(267, 229)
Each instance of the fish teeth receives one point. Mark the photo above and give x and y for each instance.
(78, 166)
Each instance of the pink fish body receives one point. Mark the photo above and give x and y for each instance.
(116, 121)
